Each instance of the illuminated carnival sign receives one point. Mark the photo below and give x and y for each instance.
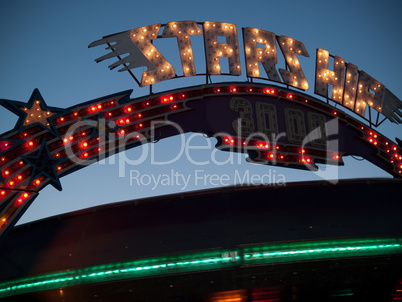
(273, 124)
(352, 88)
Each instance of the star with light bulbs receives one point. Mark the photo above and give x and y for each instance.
(34, 113)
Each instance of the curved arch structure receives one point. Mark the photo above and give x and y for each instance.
(274, 125)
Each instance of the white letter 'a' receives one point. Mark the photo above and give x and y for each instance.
(214, 50)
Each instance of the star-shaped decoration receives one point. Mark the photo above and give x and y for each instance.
(44, 164)
(35, 112)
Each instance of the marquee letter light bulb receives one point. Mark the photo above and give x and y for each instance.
(369, 92)
(162, 70)
(325, 77)
(215, 50)
(350, 86)
(267, 55)
(295, 77)
(137, 48)
(182, 31)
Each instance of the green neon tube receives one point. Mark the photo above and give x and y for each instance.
(297, 251)
(199, 261)
(122, 270)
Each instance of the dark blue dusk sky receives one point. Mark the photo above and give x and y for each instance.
(45, 46)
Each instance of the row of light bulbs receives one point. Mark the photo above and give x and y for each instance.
(344, 88)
